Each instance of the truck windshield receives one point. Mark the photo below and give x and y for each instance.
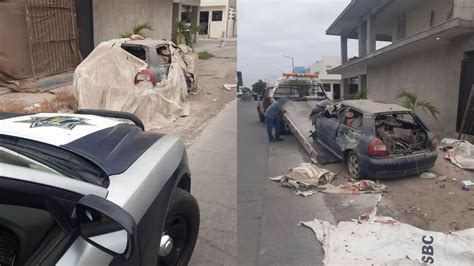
(298, 88)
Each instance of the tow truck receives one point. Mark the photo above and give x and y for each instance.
(305, 92)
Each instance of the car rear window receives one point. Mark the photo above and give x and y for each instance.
(137, 51)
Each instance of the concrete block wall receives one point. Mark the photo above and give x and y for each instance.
(418, 19)
(113, 17)
(464, 9)
(433, 74)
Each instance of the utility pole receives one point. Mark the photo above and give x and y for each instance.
(292, 63)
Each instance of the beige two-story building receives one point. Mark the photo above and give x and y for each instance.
(430, 52)
(331, 82)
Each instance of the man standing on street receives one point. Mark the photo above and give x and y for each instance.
(273, 119)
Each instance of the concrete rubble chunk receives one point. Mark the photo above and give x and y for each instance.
(442, 178)
(427, 175)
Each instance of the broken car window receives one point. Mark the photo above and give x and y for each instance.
(401, 133)
(164, 61)
(353, 119)
(137, 51)
(164, 55)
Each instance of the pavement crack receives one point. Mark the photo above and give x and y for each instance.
(209, 243)
(217, 204)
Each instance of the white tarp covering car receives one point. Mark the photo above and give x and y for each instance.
(459, 152)
(385, 241)
(106, 79)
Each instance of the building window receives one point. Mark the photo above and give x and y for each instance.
(216, 15)
(186, 14)
(327, 86)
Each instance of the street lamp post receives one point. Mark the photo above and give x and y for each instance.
(292, 62)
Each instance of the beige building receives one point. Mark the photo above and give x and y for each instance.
(217, 18)
(111, 17)
(331, 82)
(431, 53)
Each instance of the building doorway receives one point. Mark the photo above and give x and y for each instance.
(204, 22)
(336, 91)
(353, 85)
(84, 26)
(466, 84)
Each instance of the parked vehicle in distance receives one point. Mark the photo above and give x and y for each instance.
(375, 139)
(255, 96)
(73, 186)
(239, 92)
(263, 104)
(157, 54)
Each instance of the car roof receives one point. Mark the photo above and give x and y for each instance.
(147, 42)
(109, 143)
(374, 107)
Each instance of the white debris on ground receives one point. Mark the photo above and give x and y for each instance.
(385, 241)
(354, 187)
(308, 178)
(230, 87)
(459, 152)
(427, 175)
(305, 178)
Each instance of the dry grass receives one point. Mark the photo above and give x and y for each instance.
(63, 102)
(11, 107)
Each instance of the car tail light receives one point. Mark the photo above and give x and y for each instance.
(145, 75)
(377, 147)
(434, 142)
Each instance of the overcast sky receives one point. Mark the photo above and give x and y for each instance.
(268, 29)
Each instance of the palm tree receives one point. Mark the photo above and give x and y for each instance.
(138, 30)
(184, 33)
(411, 101)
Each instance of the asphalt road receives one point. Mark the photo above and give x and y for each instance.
(268, 214)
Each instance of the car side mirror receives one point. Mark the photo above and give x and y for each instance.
(106, 226)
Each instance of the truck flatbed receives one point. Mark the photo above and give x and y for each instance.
(298, 120)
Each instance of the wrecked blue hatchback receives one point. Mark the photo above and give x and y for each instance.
(375, 139)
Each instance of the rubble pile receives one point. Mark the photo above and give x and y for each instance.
(308, 178)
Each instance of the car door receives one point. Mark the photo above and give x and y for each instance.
(349, 131)
(39, 217)
(328, 126)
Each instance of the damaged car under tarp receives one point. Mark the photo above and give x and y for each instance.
(113, 78)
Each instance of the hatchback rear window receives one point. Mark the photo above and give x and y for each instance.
(401, 133)
(137, 51)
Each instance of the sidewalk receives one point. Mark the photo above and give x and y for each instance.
(212, 159)
(213, 45)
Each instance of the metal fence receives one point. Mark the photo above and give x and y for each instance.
(53, 36)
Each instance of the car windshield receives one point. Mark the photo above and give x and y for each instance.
(46, 158)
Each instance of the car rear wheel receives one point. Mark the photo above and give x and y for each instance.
(352, 164)
(181, 229)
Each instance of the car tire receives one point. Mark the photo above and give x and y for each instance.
(261, 117)
(352, 164)
(182, 225)
(284, 130)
